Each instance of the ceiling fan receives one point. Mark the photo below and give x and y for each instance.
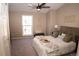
(39, 6)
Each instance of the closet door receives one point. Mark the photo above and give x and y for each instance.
(1, 32)
(4, 30)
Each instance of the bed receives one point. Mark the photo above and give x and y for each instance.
(50, 46)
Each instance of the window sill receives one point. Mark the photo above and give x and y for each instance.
(27, 35)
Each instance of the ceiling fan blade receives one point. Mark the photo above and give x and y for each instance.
(42, 4)
(31, 6)
(45, 7)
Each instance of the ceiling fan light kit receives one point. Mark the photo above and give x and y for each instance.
(41, 6)
(38, 9)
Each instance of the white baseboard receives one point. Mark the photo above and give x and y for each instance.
(28, 37)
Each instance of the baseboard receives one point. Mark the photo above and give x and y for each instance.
(28, 37)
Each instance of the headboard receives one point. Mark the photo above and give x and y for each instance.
(73, 30)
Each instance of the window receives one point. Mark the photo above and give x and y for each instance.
(27, 25)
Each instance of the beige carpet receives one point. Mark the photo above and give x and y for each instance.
(22, 47)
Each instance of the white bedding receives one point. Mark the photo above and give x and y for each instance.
(55, 46)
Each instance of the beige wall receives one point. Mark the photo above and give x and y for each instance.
(39, 23)
(51, 21)
(68, 15)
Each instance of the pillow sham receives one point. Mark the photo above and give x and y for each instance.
(55, 34)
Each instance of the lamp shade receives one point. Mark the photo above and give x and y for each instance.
(56, 26)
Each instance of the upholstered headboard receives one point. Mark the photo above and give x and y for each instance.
(73, 30)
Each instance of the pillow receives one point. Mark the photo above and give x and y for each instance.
(60, 32)
(67, 38)
(55, 34)
(61, 36)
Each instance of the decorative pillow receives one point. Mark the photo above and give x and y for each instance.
(67, 38)
(60, 32)
(55, 34)
(61, 36)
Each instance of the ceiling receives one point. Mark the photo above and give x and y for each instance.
(28, 7)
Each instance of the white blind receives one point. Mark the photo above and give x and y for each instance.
(27, 24)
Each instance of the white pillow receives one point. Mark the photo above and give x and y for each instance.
(61, 36)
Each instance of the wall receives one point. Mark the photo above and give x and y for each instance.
(51, 21)
(39, 23)
(68, 15)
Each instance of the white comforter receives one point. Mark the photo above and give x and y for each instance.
(54, 46)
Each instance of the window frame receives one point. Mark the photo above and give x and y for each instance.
(27, 25)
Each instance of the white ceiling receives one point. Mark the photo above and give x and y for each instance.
(28, 7)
